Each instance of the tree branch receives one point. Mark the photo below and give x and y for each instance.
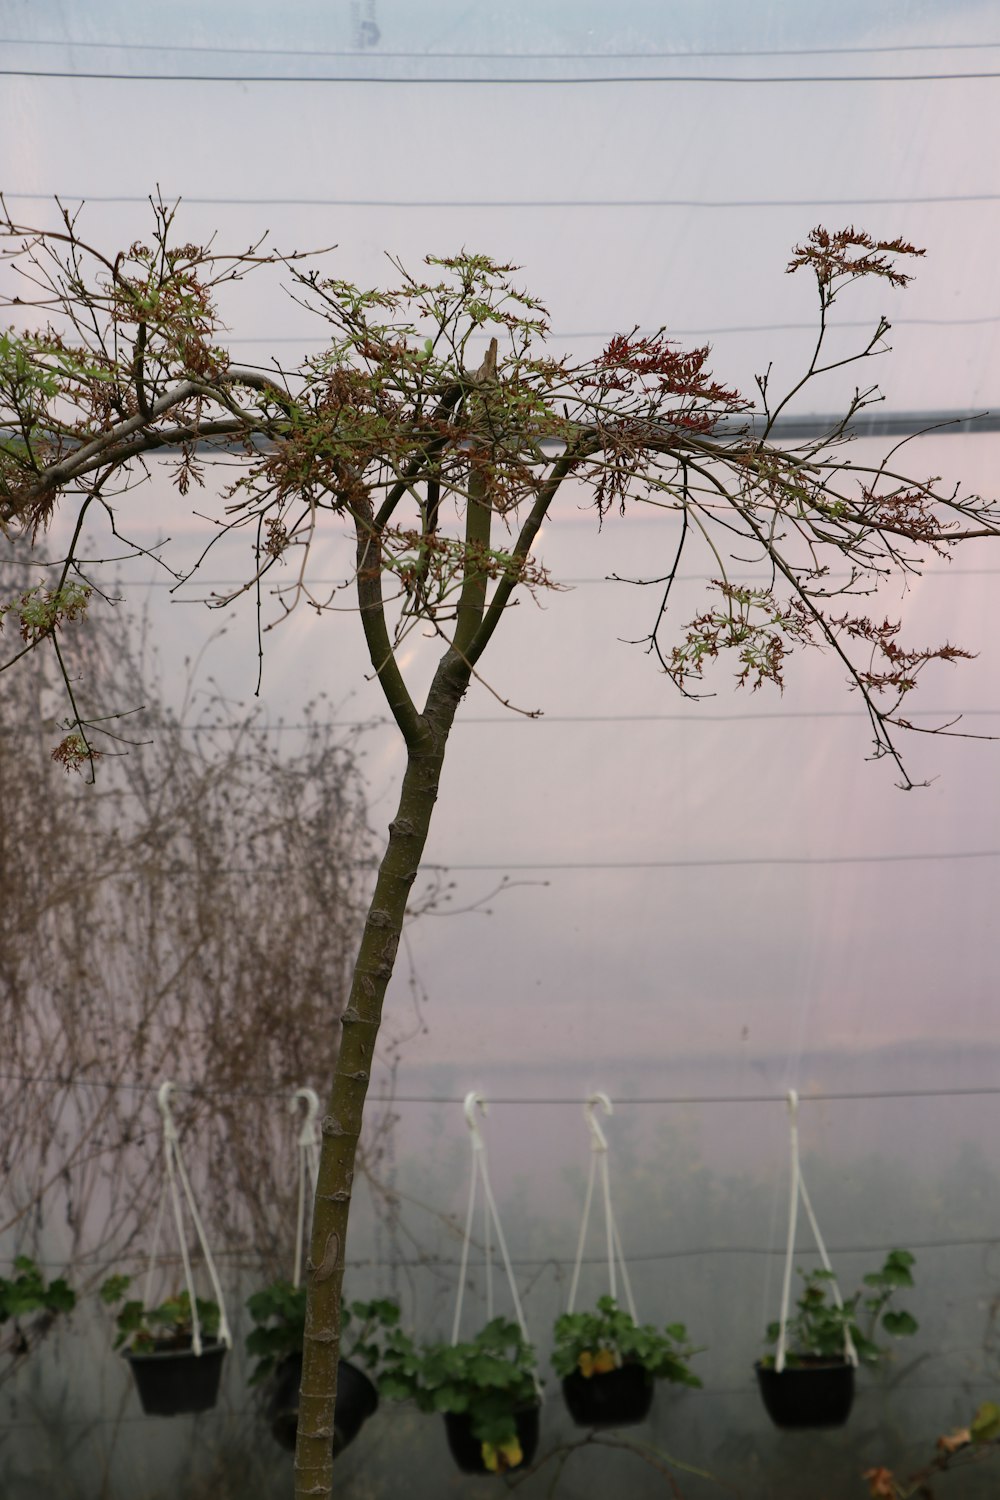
(561, 469)
(372, 609)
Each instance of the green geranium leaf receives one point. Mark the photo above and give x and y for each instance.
(985, 1425)
(819, 1326)
(899, 1324)
(610, 1329)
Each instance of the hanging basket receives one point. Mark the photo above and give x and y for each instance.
(467, 1450)
(622, 1396)
(172, 1381)
(816, 1390)
(171, 1377)
(615, 1398)
(357, 1400)
(814, 1393)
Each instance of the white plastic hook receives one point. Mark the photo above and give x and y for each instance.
(599, 1168)
(474, 1102)
(176, 1173)
(310, 1098)
(163, 1101)
(308, 1157)
(474, 1105)
(799, 1193)
(598, 1140)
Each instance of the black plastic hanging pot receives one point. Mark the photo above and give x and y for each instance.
(172, 1381)
(467, 1450)
(815, 1392)
(614, 1398)
(357, 1399)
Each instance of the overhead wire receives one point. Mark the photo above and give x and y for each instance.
(606, 333)
(379, 721)
(550, 81)
(601, 56)
(224, 201)
(430, 1259)
(750, 861)
(819, 1096)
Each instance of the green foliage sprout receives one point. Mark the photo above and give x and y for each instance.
(490, 1378)
(582, 1338)
(168, 1326)
(819, 1325)
(279, 1314)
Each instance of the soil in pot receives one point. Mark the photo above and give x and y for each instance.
(172, 1381)
(816, 1393)
(357, 1399)
(616, 1398)
(467, 1451)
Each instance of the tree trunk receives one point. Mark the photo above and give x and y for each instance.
(342, 1124)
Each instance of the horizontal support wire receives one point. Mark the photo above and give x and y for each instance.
(431, 1261)
(551, 81)
(380, 721)
(752, 861)
(673, 54)
(59, 1081)
(523, 203)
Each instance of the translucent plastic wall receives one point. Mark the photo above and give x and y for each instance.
(703, 904)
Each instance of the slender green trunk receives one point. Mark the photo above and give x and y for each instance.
(342, 1123)
(425, 736)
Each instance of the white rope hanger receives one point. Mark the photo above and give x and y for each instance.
(798, 1190)
(308, 1162)
(599, 1164)
(480, 1173)
(175, 1171)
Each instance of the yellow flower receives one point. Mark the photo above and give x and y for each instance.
(595, 1364)
(499, 1457)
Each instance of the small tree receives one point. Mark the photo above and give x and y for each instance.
(443, 466)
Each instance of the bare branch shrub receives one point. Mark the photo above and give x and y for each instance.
(141, 938)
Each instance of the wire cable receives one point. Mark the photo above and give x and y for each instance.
(551, 81)
(750, 861)
(695, 716)
(695, 333)
(520, 203)
(574, 1100)
(602, 57)
(244, 1260)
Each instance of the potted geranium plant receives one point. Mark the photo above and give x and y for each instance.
(608, 1364)
(279, 1314)
(816, 1386)
(485, 1388)
(158, 1343)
